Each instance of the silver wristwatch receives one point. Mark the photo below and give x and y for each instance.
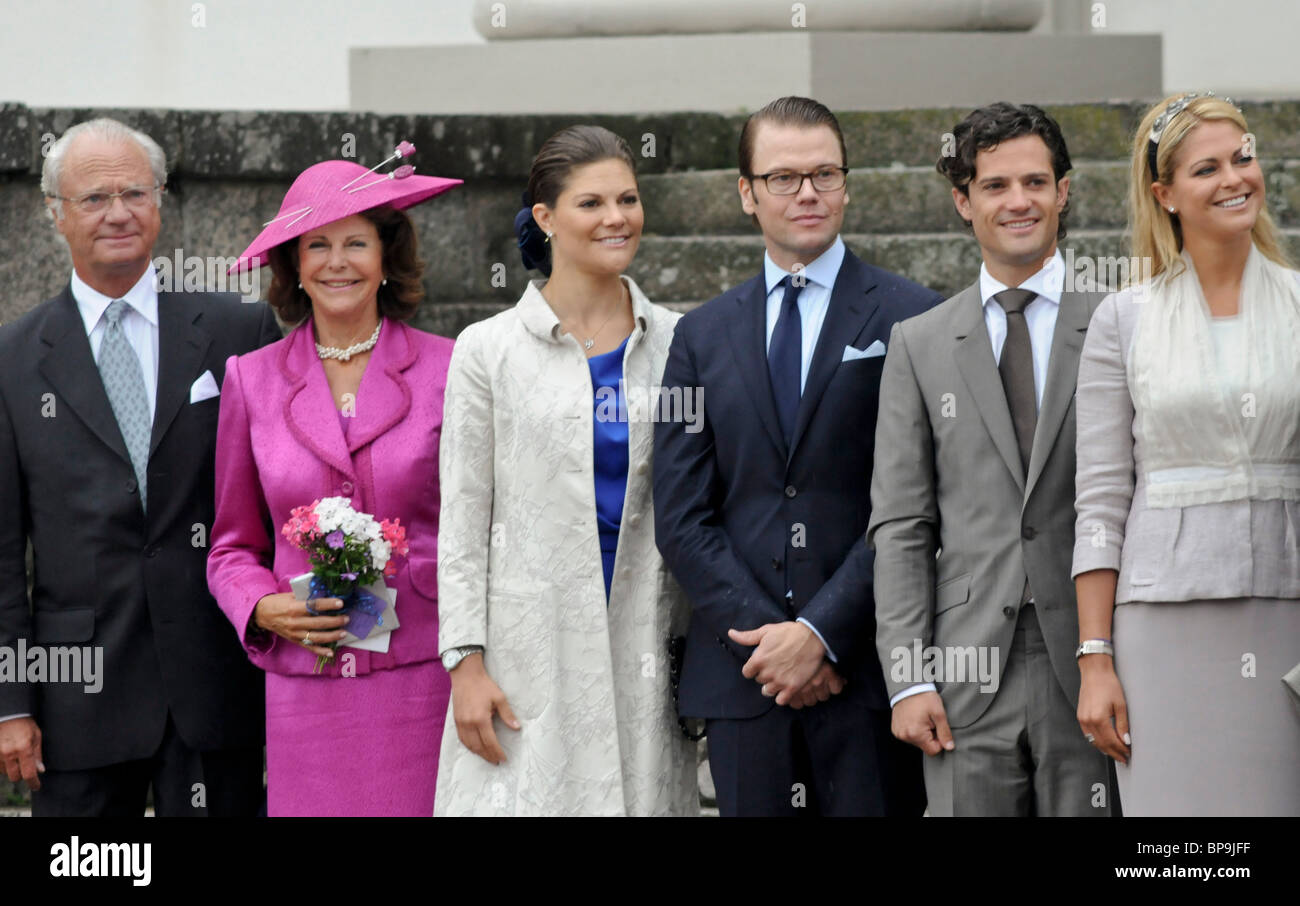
(453, 656)
(1095, 646)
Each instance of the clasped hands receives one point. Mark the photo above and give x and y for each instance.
(790, 663)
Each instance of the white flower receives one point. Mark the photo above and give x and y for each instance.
(379, 553)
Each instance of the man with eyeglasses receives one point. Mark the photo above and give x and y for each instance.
(761, 515)
(109, 394)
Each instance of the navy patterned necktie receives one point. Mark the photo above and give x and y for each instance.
(119, 368)
(785, 359)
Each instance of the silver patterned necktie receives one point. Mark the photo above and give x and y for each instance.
(119, 367)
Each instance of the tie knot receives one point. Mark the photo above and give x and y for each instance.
(1014, 300)
(115, 310)
(794, 284)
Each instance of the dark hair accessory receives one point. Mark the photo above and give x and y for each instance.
(532, 241)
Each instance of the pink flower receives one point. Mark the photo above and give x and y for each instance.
(395, 534)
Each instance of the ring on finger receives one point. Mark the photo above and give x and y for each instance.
(306, 639)
(1091, 739)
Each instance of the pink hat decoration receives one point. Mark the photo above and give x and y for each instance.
(329, 191)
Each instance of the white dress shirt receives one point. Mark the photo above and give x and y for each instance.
(139, 324)
(814, 301)
(1040, 317)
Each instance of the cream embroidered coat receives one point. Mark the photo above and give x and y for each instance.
(519, 572)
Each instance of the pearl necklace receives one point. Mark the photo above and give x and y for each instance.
(333, 352)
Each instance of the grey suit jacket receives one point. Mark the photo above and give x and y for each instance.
(1234, 549)
(955, 522)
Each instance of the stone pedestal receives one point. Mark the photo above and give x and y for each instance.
(848, 70)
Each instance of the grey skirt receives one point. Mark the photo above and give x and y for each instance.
(1214, 730)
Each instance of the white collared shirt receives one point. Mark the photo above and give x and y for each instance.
(139, 324)
(814, 300)
(1040, 314)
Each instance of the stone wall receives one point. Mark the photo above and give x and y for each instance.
(230, 169)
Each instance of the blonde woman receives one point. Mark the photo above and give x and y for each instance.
(1188, 484)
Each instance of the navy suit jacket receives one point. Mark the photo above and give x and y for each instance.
(740, 519)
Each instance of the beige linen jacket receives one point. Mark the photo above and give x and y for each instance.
(519, 572)
(1234, 549)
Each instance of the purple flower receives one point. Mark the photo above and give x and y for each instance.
(335, 539)
(351, 577)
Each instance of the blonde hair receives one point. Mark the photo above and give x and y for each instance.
(1155, 234)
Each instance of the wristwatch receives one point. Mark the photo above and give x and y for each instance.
(453, 656)
(1095, 646)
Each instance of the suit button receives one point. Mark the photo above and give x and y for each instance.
(1008, 612)
(790, 491)
(642, 468)
(1028, 533)
(776, 564)
(346, 489)
(720, 642)
(151, 552)
(634, 520)
(130, 485)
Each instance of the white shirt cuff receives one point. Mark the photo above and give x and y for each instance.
(12, 717)
(830, 654)
(912, 690)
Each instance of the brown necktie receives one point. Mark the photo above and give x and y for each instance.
(1017, 369)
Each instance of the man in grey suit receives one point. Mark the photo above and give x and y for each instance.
(972, 496)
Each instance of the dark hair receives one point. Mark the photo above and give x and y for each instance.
(985, 128)
(401, 262)
(787, 111)
(559, 155)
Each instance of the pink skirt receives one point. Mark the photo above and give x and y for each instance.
(355, 746)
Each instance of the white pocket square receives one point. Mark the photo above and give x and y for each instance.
(205, 388)
(875, 349)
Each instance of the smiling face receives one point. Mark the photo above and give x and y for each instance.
(1014, 206)
(110, 248)
(796, 228)
(1217, 187)
(340, 266)
(596, 220)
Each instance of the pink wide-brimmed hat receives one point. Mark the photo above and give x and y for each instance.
(334, 189)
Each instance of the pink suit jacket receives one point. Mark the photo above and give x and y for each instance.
(280, 444)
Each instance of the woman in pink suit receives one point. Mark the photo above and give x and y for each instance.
(349, 404)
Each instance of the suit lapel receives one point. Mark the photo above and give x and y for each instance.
(309, 410)
(979, 370)
(182, 345)
(749, 344)
(384, 397)
(69, 366)
(1062, 376)
(849, 311)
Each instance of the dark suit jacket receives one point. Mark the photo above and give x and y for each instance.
(740, 519)
(104, 573)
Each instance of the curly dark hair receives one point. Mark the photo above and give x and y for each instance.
(985, 128)
(398, 299)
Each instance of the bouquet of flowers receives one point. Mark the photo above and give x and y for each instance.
(350, 553)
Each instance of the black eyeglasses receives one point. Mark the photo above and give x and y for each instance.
(789, 182)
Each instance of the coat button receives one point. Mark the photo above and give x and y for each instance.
(130, 485)
(790, 491)
(1008, 612)
(720, 642)
(634, 520)
(776, 564)
(151, 552)
(346, 489)
(1028, 533)
(642, 468)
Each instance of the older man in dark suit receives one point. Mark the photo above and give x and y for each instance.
(108, 416)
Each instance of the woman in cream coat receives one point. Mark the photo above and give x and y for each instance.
(555, 607)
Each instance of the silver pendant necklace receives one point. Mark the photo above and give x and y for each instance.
(591, 341)
(334, 352)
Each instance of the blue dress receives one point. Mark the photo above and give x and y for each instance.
(610, 451)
